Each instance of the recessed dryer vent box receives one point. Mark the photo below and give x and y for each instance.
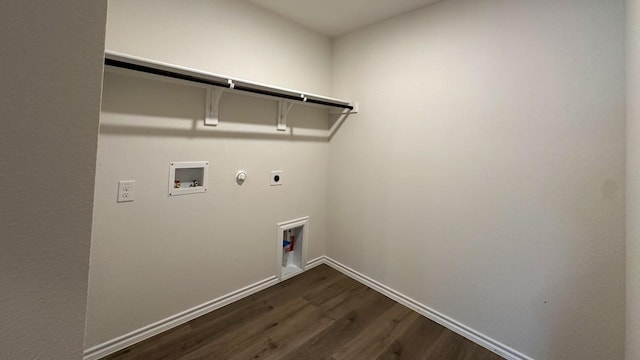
(292, 242)
(188, 177)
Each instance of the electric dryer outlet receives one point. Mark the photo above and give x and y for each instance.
(276, 177)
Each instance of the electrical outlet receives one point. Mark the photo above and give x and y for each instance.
(276, 177)
(126, 190)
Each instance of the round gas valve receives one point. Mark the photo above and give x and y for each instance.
(241, 176)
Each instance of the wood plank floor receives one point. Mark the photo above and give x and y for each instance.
(320, 314)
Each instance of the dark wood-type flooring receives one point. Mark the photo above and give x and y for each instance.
(320, 314)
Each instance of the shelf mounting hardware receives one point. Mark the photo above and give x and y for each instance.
(215, 85)
(213, 106)
(283, 110)
(125, 61)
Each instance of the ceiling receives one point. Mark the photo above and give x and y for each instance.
(338, 17)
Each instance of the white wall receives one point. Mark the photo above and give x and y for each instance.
(158, 256)
(227, 37)
(49, 105)
(484, 176)
(633, 182)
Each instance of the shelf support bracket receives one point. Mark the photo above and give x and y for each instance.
(212, 107)
(283, 110)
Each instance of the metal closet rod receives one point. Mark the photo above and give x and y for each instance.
(227, 84)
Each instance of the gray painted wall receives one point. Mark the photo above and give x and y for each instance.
(49, 108)
(633, 181)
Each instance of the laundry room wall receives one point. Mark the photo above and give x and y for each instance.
(159, 255)
(484, 176)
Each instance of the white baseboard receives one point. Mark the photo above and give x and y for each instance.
(119, 343)
(315, 262)
(447, 322)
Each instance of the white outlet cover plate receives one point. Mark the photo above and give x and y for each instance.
(126, 190)
(276, 174)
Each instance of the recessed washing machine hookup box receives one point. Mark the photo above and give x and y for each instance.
(188, 177)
